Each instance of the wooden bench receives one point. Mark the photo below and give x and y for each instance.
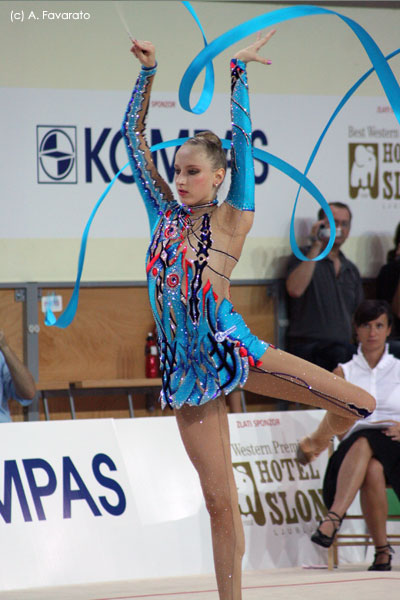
(90, 386)
(55, 388)
(129, 386)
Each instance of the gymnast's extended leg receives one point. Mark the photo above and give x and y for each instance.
(287, 377)
(205, 435)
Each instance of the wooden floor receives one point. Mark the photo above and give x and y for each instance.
(350, 582)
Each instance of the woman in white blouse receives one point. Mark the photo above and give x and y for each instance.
(368, 456)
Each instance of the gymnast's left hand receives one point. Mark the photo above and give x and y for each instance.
(251, 52)
(393, 432)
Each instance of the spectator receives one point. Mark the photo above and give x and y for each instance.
(16, 382)
(388, 288)
(323, 295)
(369, 453)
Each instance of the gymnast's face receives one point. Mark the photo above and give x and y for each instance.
(372, 335)
(196, 180)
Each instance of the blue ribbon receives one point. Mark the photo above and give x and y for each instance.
(204, 60)
(69, 313)
(204, 101)
(384, 72)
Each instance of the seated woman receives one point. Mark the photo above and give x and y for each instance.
(368, 456)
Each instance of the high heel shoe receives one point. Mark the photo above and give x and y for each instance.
(387, 566)
(321, 538)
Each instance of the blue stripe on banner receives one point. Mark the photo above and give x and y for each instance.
(204, 60)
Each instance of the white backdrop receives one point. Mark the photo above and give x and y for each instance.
(102, 500)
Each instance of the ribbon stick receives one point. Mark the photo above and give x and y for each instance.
(123, 20)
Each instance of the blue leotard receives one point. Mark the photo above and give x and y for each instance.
(205, 346)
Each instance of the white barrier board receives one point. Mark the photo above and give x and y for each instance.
(67, 513)
(102, 500)
(279, 499)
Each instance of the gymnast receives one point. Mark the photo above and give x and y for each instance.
(206, 349)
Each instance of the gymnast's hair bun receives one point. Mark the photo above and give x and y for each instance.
(212, 146)
(209, 137)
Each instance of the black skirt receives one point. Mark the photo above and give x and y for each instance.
(384, 449)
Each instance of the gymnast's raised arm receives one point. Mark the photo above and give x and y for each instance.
(241, 192)
(152, 187)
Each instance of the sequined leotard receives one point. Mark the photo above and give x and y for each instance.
(205, 347)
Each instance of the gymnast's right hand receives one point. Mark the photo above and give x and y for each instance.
(145, 52)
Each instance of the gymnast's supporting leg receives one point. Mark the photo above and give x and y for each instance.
(287, 377)
(205, 435)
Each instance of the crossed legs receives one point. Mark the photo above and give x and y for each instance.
(205, 434)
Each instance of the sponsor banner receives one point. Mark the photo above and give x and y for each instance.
(279, 499)
(67, 514)
(64, 146)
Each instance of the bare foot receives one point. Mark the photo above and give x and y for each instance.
(307, 451)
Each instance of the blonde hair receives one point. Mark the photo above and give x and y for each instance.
(212, 146)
